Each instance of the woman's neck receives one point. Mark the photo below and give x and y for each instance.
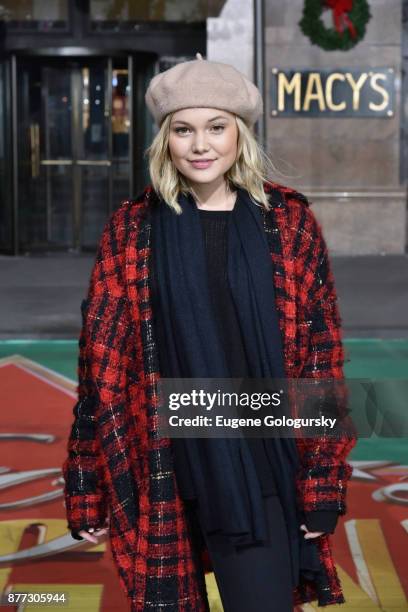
(208, 197)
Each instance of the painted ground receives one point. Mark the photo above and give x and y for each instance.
(37, 384)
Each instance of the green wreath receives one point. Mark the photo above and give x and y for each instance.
(350, 18)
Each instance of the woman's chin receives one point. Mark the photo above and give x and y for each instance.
(202, 176)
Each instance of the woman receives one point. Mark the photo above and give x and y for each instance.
(214, 271)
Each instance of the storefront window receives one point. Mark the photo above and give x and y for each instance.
(34, 15)
(125, 14)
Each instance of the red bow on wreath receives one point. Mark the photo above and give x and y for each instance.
(340, 9)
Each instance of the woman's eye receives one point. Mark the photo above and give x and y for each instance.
(183, 130)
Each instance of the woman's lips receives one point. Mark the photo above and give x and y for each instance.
(202, 164)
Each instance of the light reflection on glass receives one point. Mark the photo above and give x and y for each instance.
(85, 98)
(120, 101)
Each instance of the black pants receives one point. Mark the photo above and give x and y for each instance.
(251, 578)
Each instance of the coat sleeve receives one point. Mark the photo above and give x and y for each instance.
(104, 343)
(84, 499)
(325, 472)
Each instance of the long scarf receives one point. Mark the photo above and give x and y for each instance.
(190, 346)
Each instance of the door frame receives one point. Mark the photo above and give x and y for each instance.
(146, 62)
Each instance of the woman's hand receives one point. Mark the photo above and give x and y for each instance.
(311, 534)
(92, 534)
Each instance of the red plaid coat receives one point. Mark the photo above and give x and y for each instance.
(118, 468)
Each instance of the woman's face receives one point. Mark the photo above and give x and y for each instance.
(203, 143)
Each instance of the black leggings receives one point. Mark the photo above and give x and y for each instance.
(256, 577)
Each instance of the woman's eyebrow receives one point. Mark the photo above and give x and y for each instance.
(209, 120)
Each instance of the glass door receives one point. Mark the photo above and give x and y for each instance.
(73, 149)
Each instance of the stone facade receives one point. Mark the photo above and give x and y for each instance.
(350, 168)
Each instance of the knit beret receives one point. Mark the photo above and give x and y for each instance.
(202, 83)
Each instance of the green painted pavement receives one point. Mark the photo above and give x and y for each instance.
(365, 358)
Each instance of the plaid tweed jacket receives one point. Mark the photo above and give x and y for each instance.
(118, 469)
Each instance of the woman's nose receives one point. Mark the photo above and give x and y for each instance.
(200, 142)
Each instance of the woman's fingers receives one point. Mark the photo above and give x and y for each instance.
(100, 532)
(311, 534)
(92, 534)
(88, 536)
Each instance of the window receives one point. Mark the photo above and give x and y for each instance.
(34, 15)
(126, 14)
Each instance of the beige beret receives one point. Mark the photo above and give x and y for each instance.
(201, 83)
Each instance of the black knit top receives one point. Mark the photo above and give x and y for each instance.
(214, 225)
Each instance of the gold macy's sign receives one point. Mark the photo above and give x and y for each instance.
(332, 93)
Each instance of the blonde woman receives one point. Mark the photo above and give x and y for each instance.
(213, 271)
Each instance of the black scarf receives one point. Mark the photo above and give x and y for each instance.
(190, 347)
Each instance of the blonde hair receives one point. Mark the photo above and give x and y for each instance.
(250, 169)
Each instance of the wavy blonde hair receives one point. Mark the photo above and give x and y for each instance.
(250, 169)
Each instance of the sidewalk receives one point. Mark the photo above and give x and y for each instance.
(41, 295)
